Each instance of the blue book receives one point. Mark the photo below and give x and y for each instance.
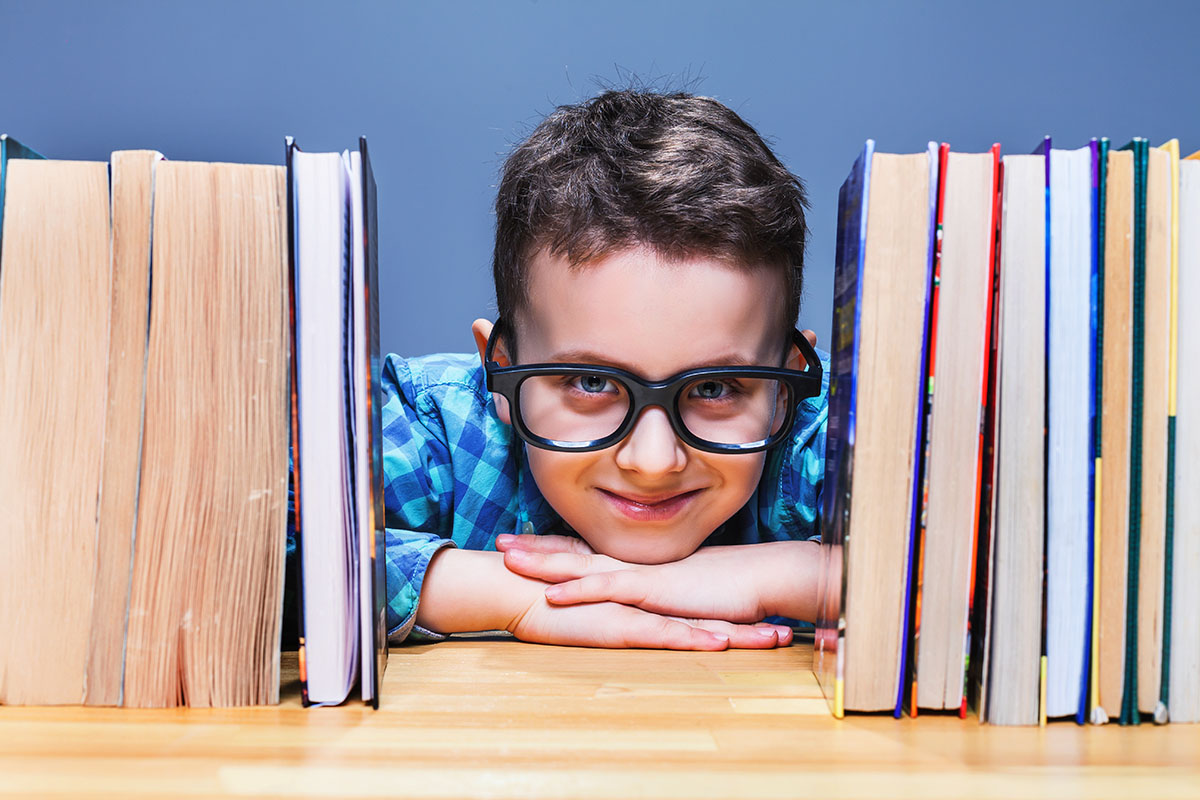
(886, 214)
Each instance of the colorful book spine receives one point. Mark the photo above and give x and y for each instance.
(1129, 705)
(1044, 150)
(1100, 171)
(924, 429)
(1162, 712)
(829, 643)
(982, 466)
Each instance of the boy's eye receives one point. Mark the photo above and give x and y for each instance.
(592, 384)
(711, 390)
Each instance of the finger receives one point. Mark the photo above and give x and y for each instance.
(627, 587)
(539, 543)
(784, 632)
(748, 637)
(811, 335)
(669, 633)
(557, 567)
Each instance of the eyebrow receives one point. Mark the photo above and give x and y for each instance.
(588, 357)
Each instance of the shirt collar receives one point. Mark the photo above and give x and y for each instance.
(534, 512)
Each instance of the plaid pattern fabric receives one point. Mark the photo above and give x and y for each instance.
(455, 476)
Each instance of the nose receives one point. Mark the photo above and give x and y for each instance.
(652, 448)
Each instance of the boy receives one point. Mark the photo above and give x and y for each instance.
(638, 236)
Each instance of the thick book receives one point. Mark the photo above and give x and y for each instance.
(1139, 150)
(886, 213)
(956, 389)
(1114, 379)
(337, 424)
(1011, 650)
(206, 595)
(1182, 687)
(131, 174)
(54, 315)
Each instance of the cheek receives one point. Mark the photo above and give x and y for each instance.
(559, 476)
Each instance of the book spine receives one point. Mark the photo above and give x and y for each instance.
(1089, 637)
(1100, 170)
(1130, 714)
(983, 457)
(1161, 713)
(1045, 150)
(924, 431)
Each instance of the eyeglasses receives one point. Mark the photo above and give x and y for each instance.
(581, 407)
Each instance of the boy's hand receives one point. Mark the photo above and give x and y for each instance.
(472, 590)
(738, 583)
(616, 625)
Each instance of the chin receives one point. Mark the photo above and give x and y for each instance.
(642, 551)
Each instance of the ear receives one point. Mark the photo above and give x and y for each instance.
(481, 329)
(795, 360)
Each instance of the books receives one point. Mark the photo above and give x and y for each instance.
(1073, 447)
(884, 256)
(163, 471)
(337, 424)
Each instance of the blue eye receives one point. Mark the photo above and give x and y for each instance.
(592, 384)
(711, 390)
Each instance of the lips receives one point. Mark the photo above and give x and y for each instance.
(650, 508)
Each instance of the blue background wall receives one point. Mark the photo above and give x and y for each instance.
(444, 90)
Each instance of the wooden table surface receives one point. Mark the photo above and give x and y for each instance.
(493, 717)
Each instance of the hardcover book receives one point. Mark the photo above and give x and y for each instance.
(336, 423)
(886, 212)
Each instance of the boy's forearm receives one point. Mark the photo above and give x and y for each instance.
(472, 590)
(793, 591)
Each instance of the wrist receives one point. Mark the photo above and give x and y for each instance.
(472, 590)
(791, 588)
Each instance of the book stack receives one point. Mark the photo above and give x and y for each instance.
(146, 329)
(1012, 406)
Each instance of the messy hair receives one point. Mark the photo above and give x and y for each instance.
(681, 175)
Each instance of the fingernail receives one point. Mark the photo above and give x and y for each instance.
(505, 538)
(720, 637)
(553, 592)
(766, 631)
(519, 555)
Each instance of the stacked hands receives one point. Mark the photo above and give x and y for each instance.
(709, 600)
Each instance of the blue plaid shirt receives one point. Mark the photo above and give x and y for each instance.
(455, 475)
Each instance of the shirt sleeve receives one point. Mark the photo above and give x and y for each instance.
(417, 497)
(418, 493)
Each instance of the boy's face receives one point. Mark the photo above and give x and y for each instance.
(649, 498)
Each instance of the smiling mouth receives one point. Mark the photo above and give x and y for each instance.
(650, 508)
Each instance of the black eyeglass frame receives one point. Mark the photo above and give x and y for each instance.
(507, 381)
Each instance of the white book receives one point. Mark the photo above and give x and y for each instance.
(323, 255)
(1068, 506)
(1184, 684)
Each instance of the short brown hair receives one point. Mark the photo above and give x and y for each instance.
(682, 175)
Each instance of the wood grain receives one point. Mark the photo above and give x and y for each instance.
(493, 717)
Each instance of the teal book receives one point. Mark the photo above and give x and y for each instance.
(1129, 704)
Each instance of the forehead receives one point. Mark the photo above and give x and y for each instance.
(634, 309)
